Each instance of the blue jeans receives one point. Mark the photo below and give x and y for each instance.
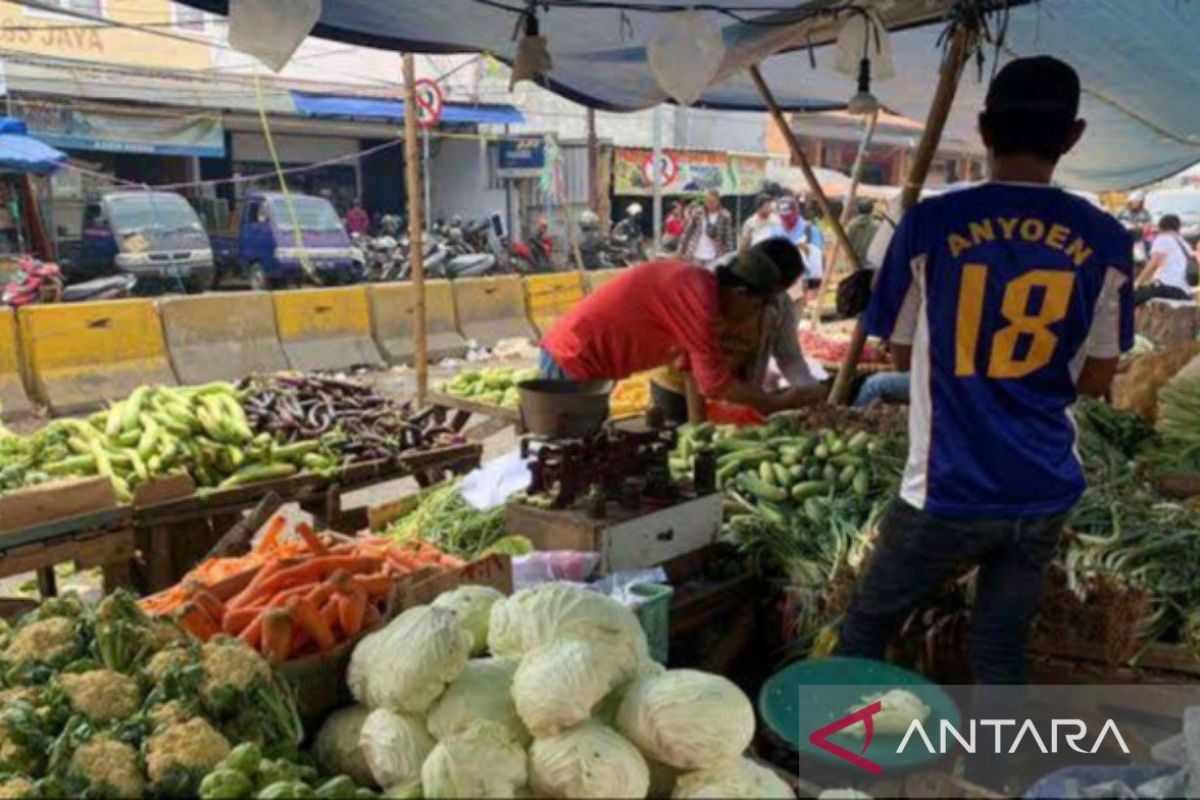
(549, 367)
(917, 554)
(891, 386)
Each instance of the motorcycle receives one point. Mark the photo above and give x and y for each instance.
(597, 251)
(42, 282)
(627, 242)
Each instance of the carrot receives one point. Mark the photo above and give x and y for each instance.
(252, 634)
(197, 621)
(239, 619)
(318, 594)
(277, 633)
(351, 609)
(310, 539)
(311, 571)
(243, 598)
(271, 537)
(376, 586)
(329, 613)
(211, 605)
(310, 620)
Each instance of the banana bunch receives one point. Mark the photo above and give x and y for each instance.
(201, 431)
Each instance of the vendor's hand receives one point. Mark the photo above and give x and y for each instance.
(798, 397)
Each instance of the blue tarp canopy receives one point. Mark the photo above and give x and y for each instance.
(20, 152)
(1128, 52)
(324, 105)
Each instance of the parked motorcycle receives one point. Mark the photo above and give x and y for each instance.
(42, 282)
(597, 251)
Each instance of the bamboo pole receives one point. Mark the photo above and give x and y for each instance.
(810, 177)
(847, 212)
(416, 224)
(935, 123)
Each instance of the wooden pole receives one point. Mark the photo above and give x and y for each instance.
(801, 160)
(847, 213)
(593, 162)
(416, 224)
(935, 123)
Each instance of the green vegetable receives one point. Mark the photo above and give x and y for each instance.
(760, 488)
(801, 491)
(339, 788)
(782, 476)
(226, 784)
(859, 442)
(283, 790)
(766, 473)
(244, 758)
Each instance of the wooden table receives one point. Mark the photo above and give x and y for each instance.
(98, 539)
(456, 412)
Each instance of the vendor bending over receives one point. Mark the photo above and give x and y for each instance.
(671, 312)
(1008, 300)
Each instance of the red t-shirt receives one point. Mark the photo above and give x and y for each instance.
(673, 227)
(644, 318)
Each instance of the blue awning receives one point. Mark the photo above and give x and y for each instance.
(20, 152)
(326, 105)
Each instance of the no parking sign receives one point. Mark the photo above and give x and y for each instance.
(430, 102)
(668, 168)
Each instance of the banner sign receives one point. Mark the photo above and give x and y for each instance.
(521, 158)
(687, 172)
(67, 127)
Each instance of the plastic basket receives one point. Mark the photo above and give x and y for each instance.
(653, 610)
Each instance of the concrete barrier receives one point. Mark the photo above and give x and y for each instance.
(79, 355)
(548, 297)
(597, 278)
(491, 309)
(13, 400)
(221, 337)
(326, 328)
(393, 308)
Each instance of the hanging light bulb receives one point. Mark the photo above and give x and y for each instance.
(863, 104)
(533, 56)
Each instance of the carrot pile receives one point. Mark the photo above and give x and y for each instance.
(308, 594)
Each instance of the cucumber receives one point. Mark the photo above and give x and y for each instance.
(782, 476)
(686, 448)
(846, 460)
(789, 456)
(814, 473)
(822, 452)
(846, 476)
(703, 432)
(772, 513)
(803, 491)
(862, 483)
(796, 473)
(767, 473)
(859, 443)
(830, 473)
(761, 489)
(743, 456)
(837, 447)
(731, 445)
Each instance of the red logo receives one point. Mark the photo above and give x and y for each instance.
(820, 738)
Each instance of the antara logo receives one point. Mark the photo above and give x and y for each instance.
(820, 738)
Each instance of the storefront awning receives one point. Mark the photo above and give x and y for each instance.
(132, 131)
(324, 105)
(20, 152)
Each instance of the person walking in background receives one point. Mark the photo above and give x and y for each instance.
(760, 225)
(673, 227)
(797, 230)
(709, 234)
(861, 229)
(1007, 301)
(358, 220)
(1166, 273)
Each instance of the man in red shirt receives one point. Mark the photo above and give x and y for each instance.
(670, 312)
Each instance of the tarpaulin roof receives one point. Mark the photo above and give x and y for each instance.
(1140, 129)
(20, 152)
(324, 105)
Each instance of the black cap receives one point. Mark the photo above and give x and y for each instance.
(1035, 85)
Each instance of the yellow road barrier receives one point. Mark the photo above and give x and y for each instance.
(13, 400)
(222, 336)
(79, 355)
(594, 280)
(326, 328)
(548, 297)
(491, 309)
(393, 308)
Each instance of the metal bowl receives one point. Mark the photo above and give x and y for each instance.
(564, 409)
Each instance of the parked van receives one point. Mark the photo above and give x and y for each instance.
(263, 248)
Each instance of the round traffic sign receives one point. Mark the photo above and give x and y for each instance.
(430, 102)
(668, 168)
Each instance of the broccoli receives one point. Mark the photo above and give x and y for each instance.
(101, 695)
(106, 767)
(178, 756)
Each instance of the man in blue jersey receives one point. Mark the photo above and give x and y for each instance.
(1006, 301)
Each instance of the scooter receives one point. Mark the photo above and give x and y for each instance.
(37, 282)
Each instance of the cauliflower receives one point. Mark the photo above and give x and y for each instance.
(165, 660)
(163, 632)
(102, 695)
(167, 714)
(17, 787)
(20, 694)
(43, 641)
(108, 767)
(179, 755)
(21, 746)
(231, 668)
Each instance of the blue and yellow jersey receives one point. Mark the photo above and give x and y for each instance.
(1003, 291)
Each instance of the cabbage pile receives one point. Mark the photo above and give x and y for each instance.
(549, 693)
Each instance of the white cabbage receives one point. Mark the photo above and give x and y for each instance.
(395, 746)
(478, 762)
(843, 794)
(473, 607)
(482, 692)
(558, 685)
(687, 719)
(662, 778)
(552, 612)
(739, 778)
(589, 761)
(337, 747)
(406, 665)
(899, 708)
